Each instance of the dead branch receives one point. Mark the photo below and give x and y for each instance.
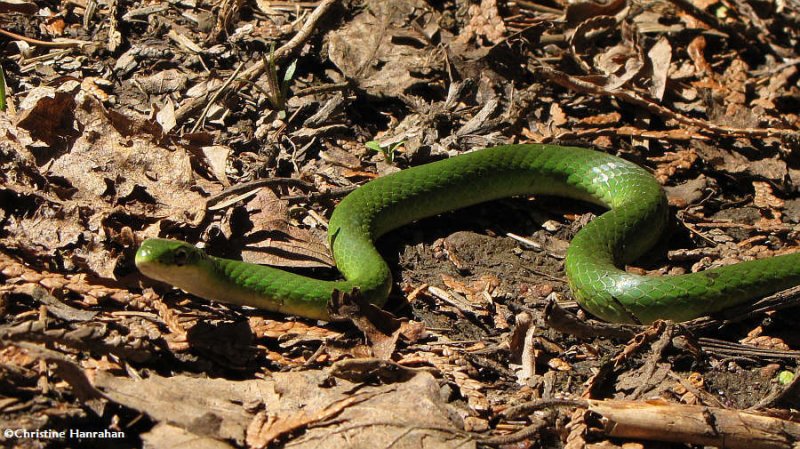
(695, 424)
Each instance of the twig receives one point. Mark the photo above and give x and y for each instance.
(216, 95)
(524, 4)
(590, 133)
(729, 348)
(66, 43)
(215, 202)
(526, 408)
(525, 434)
(319, 196)
(322, 89)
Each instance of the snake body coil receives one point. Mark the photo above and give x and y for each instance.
(636, 219)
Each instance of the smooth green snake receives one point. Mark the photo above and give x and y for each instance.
(635, 221)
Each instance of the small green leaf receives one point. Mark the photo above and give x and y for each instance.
(287, 77)
(2, 90)
(290, 71)
(374, 145)
(785, 377)
(388, 151)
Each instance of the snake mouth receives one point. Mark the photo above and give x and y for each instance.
(151, 268)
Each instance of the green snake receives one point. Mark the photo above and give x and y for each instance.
(637, 215)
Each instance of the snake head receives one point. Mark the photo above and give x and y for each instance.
(170, 261)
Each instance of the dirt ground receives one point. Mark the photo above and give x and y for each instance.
(240, 125)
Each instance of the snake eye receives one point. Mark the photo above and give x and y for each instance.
(180, 257)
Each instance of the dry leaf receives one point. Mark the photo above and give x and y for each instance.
(217, 159)
(274, 241)
(773, 167)
(672, 163)
(365, 51)
(166, 116)
(660, 56)
(381, 328)
(48, 114)
(226, 409)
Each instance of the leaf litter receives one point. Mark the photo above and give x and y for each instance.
(171, 120)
